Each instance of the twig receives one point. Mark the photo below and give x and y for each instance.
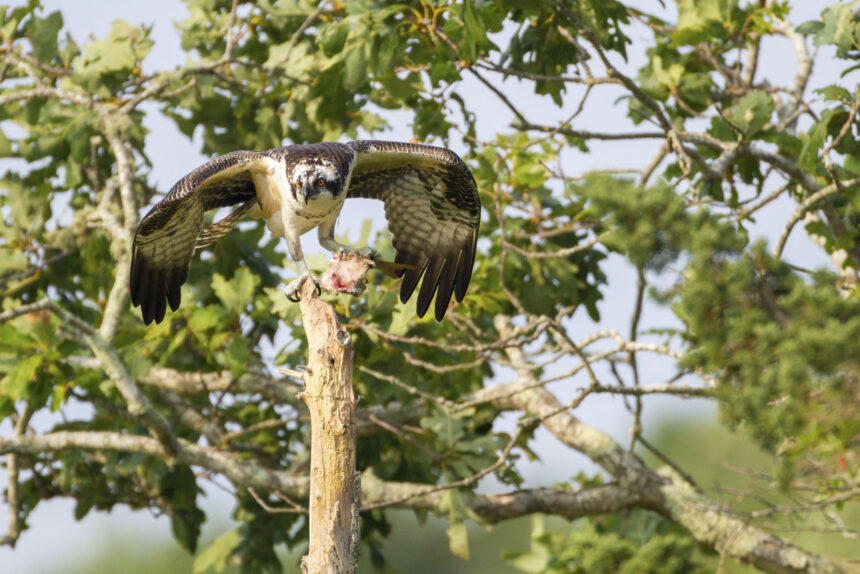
(229, 34)
(298, 33)
(805, 206)
(407, 387)
(464, 482)
(294, 507)
(393, 429)
(746, 212)
(641, 284)
(563, 252)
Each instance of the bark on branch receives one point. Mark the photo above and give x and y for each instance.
(329, 396)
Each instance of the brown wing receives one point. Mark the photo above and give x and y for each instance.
(165, 238)
(433, 212)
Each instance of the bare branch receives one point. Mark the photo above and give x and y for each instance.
(805, 206)
(229, 33)
(118, 298)
(301, 30)
(42, 91)
(242, 473)
(407, 387)
(588, 135)
(663, 389)
(804, 64)
(588, 81)
(494, 508)
(293, 507)
(138, 404)
(281, 391)
(12, 494)
(746, 212)
(564, 252)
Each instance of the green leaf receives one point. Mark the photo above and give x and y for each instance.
(752, 112)
(749, 115)
(355, 67)
(813, 141)
(458, 539)
(334, 37)
(179, 489)
(810, 27)
(15, 384)
(44, 38)
(14, 261)
(137, 363)
(838, 29)
(237, 356)
(852, 164)
(216, 556)
(58, 397)
(237, 293)
(700, 20)
(204, 318)
(538, 557)
(116, 52)
(834, 93)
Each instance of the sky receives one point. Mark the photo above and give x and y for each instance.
(53, 526)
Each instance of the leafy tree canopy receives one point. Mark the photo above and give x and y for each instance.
(143, 416)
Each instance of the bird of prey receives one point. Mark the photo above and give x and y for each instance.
(431, 205)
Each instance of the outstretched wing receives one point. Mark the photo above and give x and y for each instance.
(433, 212)
(166, 237)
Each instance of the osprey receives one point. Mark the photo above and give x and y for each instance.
(431, 205)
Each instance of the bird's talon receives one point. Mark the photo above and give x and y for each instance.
(364, 252)
(294, 289)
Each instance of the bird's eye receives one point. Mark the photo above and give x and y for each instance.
(320, 182)
(298, 185)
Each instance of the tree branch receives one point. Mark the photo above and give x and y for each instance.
(240, 472)
(333, 508)
(494, 508)
(118, 298)
(805, 206)
(138, 403)
(664, 491)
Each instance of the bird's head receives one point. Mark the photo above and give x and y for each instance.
(315, 179)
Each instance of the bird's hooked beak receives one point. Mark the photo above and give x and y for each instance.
(308, 191)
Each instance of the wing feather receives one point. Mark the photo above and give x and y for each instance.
(433, 212)
(221, 228)
(166, 236)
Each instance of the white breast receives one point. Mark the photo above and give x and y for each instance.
(303, 217)
(285, 214)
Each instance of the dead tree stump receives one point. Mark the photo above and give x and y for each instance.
(329, 396)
